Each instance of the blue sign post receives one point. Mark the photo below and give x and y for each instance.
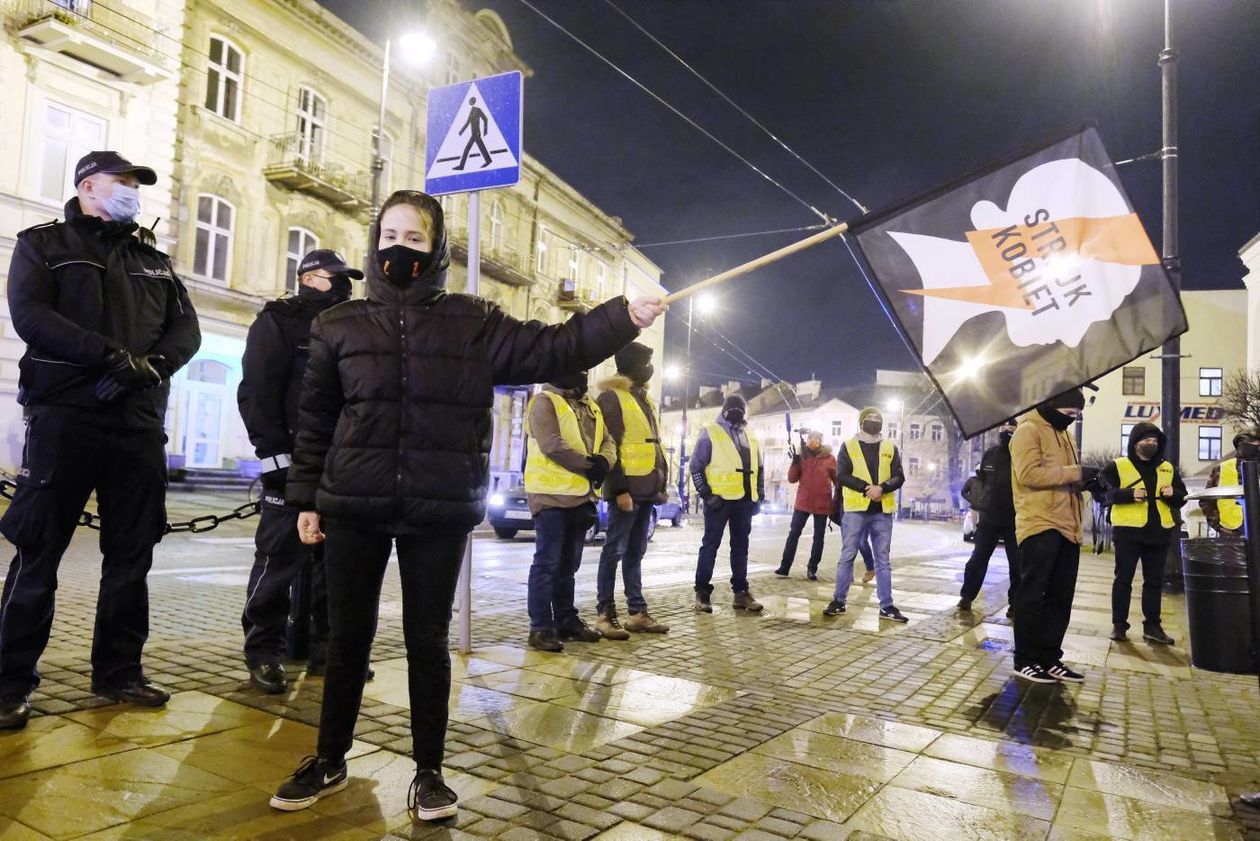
(474, 135)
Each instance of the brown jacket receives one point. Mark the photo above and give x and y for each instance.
(544, 430)
(1045, 480)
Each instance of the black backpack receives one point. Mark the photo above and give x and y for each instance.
(977, 493)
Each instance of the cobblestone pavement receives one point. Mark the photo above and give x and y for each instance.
(779, 725)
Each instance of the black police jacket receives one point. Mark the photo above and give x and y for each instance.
(82, 289)
(395, 415)
(272, 368)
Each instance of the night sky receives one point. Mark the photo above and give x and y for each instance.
(886, 98)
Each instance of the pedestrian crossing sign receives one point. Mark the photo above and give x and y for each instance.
(473, 139)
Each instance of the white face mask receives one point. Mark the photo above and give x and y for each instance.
(123, 203)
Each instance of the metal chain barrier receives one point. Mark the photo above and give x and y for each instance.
(196, 525)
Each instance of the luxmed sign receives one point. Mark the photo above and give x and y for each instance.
(1193, 413)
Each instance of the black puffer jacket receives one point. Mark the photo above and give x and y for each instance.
(395, 415)
(1153, 532)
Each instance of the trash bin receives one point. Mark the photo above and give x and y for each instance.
(1218, 604)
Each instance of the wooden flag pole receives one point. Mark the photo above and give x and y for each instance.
(764, 260)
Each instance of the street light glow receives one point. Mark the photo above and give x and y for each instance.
(894, 407)
(673, 372)
(416, 47)
(706, 304)
(971, 367)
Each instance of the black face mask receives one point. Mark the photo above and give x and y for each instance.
(1147, 450)
(1004, 437)
(1248, 449)
(577, 383)
(1056, 418)
(402, 265)
(734, 416)
(872, 427)
(641, 375)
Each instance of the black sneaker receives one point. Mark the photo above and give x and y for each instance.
(314, 778)
(430, 798)
(269, 678)
(1063, 674)
(1155, 634)
(1119, 633)
(781, 572)
(964, 604)
(545, 641)
(139, 692)
(892, 614)
(1032, 674)
(14, 712)
(703, 605)
(579, 631)
(811, 575)
(834, 609)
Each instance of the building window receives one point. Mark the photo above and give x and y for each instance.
(540, 264)
(1125, 429)
(224, 79)
(892, 432)
(1134, 381)
(914, 465)
(601, 276)
(1209, 443)
(301, 242)
(496, 226)
(837, 429)
(938, 432)
(207, 371)
(1210, 382)
(916, 432)
(212, 256)
(454, 68)
(312, 125)
(573, 262)
(68, 136)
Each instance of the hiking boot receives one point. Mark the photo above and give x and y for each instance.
(782, 572)
(139, 692)
(892, 613)
(430, 798)
(268, 678)
(703, 605)
(834, 609)
(964, 604)
(314, 778)
(868, 576)
(608, 626)
(14, 712)
(545, 641)
(1063, 674)
(1033, 674)
(1119, 633)
(1155, 634)
(579, 631)
(744, 601)
(643, 623)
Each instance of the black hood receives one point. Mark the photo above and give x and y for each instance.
(430, 283)
(1145, 430)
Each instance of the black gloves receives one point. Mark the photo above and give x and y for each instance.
(126, 373)
(796, 458)
(597, 471)
(158, 362)
(273, 481)
(713, 502)
(1091, 480)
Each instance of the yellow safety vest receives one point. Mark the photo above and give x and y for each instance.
(725, 470)
(1230, 510)
(1136, 514)
(544, 476)
(637, 450)
(857, 500)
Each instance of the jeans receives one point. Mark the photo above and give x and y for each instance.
(799, 519)
(278, 558)
(987, 536)
(559, 537)
(738, 513)
(1043, 603)
(1151, 556)
(625, 543)
(856, 527)
(66, 457)
(355, 562)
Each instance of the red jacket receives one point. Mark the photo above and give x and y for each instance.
(817, 475)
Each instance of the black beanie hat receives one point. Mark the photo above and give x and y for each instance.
(1074, 399)
(632, 357)
(734, 401)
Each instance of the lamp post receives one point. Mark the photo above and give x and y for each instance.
(706, 307)
(899, 408)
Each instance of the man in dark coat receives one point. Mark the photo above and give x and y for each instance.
(997, 521)
(273, 366)
(106, 323)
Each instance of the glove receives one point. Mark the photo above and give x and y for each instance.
(125, 374)
(713, 502)
(597, 470)
(1089, 474)
(273, 481)
(796, 459)
(160, 364)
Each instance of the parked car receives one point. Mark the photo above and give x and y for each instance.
(508, 514)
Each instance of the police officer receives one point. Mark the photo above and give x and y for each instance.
(106, 322)
(273, 366)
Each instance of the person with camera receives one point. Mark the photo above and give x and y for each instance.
(992, 498)
(814, 468)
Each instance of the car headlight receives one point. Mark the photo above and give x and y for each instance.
(496, 500)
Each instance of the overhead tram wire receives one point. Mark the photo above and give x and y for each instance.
(817, 227)
(861, 207)
(823, 216)
(753, 365)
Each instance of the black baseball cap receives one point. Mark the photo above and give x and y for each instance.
(111, 163)
(326, 258)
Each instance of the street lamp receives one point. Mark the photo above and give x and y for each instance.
(706, 304)
(898, 407)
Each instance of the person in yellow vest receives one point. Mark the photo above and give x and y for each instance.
(1225, 516)
(1146, 498)
(633, 487)
(868, 474)
(726, 470)
(569, 454)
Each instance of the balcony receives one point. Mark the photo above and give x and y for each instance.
(576, 297)
(289, 166)
(109, 37)
(503, 263)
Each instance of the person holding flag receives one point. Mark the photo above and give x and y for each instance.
(868, 474)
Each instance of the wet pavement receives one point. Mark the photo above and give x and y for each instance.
(786, 724)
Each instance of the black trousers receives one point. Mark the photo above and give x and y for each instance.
(987, 536)
(799, 519)
(279, 555)
(1128, 555)
(65, 458)
(355, 561)
(1043, 604)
